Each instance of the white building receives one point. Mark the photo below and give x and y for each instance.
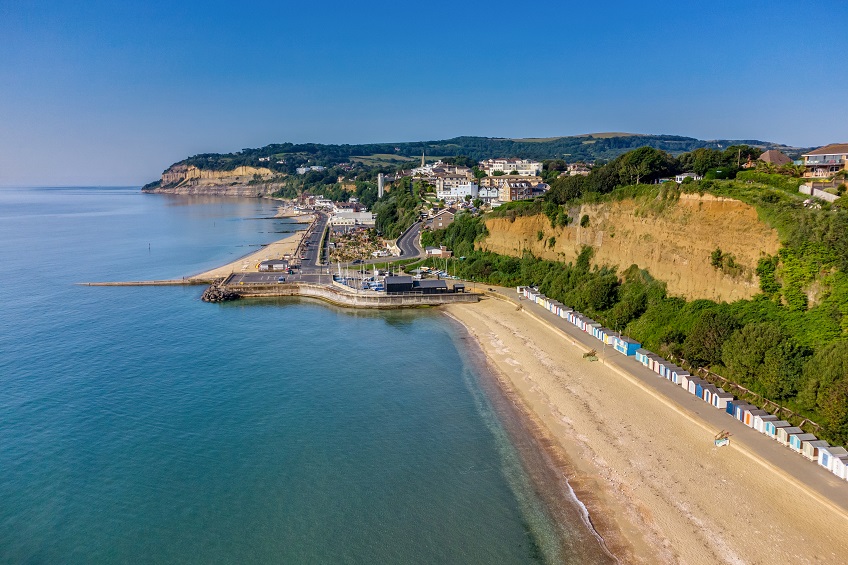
(523, 167)
(353, 219)
(304, 170)
(458, 193)
(489, 196)
(683, 176)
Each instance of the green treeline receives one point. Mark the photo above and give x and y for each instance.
(776, 344)
(286, 157)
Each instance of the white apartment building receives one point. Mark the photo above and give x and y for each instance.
(523, 167)
(458, 193)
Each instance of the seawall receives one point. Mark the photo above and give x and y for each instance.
(351, 299)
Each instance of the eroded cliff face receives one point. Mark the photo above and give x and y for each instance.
(241, 181)
(673, 240)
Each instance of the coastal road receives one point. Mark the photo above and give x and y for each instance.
(408, 242)
(311, 243)
(762, 449)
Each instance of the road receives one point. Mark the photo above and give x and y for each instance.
(408, 242)
(761, 448)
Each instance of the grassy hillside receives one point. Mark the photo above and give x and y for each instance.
(286, 157)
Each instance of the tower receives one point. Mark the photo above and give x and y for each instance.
(422, 157)
(380, 185)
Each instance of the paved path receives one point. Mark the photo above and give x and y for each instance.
(762, 449)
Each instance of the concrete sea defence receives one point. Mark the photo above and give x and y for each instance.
(350, 299)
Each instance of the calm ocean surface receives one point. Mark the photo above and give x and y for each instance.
(138, 424)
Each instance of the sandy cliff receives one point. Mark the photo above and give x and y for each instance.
(241, 181)
(672, 239)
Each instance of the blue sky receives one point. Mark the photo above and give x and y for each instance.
(112, 92)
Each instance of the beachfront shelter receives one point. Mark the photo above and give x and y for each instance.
(721, 398)
(708, 392)
(784, 433)
(751, 414)
(770, 428)
(678, 374)
(828, 453)
(810, 449)
(796, 440)
(839, 466)
(642, 356)
(740, 410)
(760, 421)
(625, 345)
(695, 383)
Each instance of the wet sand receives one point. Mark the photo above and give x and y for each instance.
(655, 487)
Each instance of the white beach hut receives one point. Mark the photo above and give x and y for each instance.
(760, 421)
(839, 466)
(721, 398)
(828, 454)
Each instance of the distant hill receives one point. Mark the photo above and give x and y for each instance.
(286, 157)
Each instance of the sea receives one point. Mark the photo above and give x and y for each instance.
(141, 425)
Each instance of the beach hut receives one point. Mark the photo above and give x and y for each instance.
(699, 388)
(828, 454)
(839, 466)
(797, 439)
(760, 421)
(679, 374)
(625, 345)
(708, 392)
(740, 409)
(784, 433)
(642, 356)
(721, 398)
(770, 427)
(730, 408)
(694, 384)
(810, 449)
(684, 381)
(751, 414)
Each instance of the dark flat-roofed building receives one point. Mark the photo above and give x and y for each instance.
(430, 286)
(400, 283)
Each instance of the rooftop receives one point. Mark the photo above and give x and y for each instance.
(832, 149)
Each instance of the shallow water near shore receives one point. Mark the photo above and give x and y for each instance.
(139, 424)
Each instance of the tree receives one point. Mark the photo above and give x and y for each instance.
(826, 388)
(744, 351)
(702, 346)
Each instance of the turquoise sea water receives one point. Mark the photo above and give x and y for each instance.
(138, 424)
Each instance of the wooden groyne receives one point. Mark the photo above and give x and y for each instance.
(350, 299)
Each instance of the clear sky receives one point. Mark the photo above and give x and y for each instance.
(110, 92)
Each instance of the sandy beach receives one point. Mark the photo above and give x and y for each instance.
(249, 263)
(656, 488)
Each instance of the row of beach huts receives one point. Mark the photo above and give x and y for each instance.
(834, 459)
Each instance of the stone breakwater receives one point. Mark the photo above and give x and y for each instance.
(217, 294)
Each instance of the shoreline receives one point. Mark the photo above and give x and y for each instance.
(274, 250)
(653, 497)
(542, 460)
